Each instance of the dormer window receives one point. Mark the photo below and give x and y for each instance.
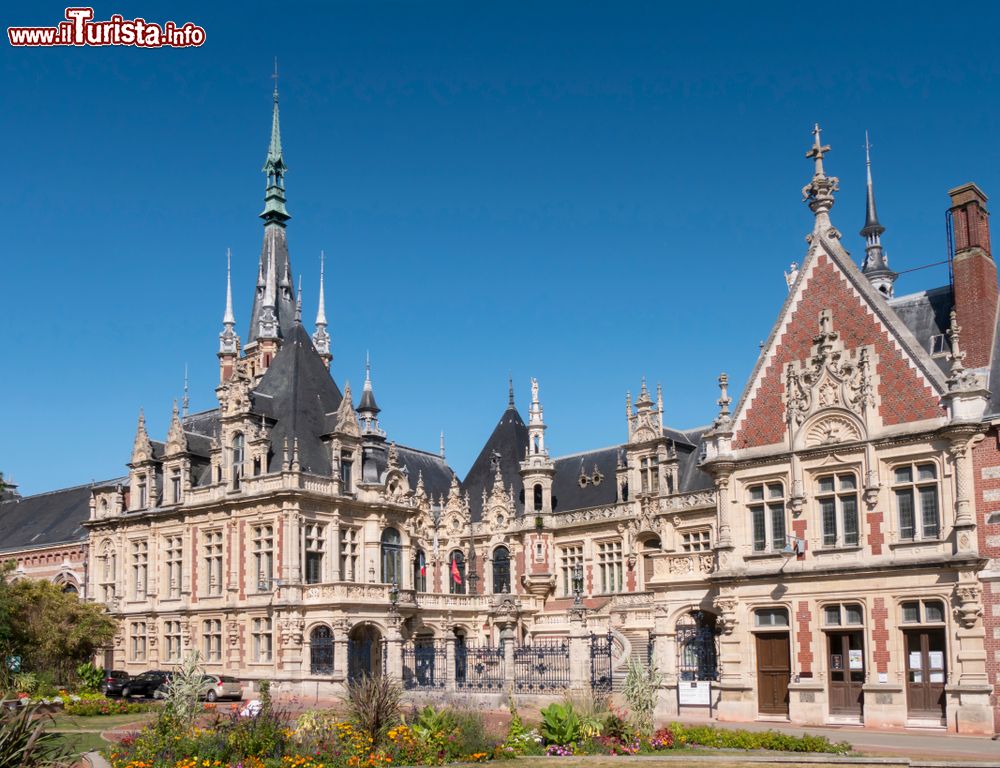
(236, 466)
(649, 474)
(346, 467)
(142, 493)
(175, 486)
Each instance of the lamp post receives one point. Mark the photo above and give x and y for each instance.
(578, 585)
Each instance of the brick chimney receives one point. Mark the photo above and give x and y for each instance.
(975, 274)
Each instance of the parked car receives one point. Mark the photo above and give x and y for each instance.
(113, 682)
(222, 687)
(146, 683)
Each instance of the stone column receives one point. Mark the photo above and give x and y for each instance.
(334, 569)
(340, 640)
(969, 689)
(394, 650)
(507, 642)
(450, 661)
(665, 658)
(579, 652)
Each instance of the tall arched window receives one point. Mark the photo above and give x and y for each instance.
(501, 570)
(538, 498)
(238, 452)
(321, 651)
(392, 550)
(456, 573)
(420, 571)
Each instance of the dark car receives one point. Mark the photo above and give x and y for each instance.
(146, 683)
(113, 682)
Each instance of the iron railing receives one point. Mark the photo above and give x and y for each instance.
(600, 663)
(425, 664)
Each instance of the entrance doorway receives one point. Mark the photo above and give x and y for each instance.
(364, 652)
(925, 673)
(846, 663)
(774, 670)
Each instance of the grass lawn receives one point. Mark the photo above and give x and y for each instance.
(96, 722)
(679, 758)
(80, 742)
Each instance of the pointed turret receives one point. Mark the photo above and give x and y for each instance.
(368, 409)
(274, 167)
(267, 327)
(298, 303)
(876, 263)
(321, 339)
(537, 469)
(229, 341)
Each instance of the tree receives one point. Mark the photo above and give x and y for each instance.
(54, 630)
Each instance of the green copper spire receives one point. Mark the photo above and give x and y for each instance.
(274, 196)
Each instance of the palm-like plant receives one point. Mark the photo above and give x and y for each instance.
(24, 742)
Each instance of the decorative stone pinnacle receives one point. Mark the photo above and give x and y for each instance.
(724, 398)
(819, 192)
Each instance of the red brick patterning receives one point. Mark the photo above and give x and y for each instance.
(904, 397)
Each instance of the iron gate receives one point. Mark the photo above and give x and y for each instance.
(600, 663)
(542, 666)
(697, 646)
(321, 651)
(479, 667)
(425, 664)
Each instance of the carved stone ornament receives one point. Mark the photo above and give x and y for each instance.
(726, 608)
(969, 608)
(829, 379)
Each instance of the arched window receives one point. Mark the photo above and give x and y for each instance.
(321, 651)
(536, 444)
(697, 638)
(237, 459)
(538, 498)
(501, 571)
(392, 550)
(420, 571)
(456, 573)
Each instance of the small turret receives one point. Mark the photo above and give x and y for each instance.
(229, 341)
(368, 409)
(321, 339)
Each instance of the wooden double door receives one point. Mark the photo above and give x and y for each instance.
(926, 673)
(774, 671)
(846, 665)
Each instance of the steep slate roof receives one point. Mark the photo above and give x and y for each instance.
(509, 439)
(567, 493)
(297, 392)
(926, 314)
(55, 517)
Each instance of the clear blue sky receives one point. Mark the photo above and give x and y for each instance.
(582, 192)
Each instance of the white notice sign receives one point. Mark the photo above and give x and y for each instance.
(916, 662)
(936, 659)
(855, 659)
(694, 693)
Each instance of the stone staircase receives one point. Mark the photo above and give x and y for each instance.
(635, 647)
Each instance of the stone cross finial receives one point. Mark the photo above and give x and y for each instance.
(818, 150)
(819, 192)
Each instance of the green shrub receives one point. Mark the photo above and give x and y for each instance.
(24, 742)
(724, 738)
(372, 703)
(560, 724)
(183, 699)
(25, 682)
(90, 677)
(470, 734)
(103, 706)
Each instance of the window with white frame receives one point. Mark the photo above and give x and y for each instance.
(260, 638)
(137, 640)
(349, 547)
(314, 535)
(922, 612)
(764, 618)
(173, 547)
(212, 553)
(915, 489)
(263, 556)
(649, 474)
(696, 541)
(767, 516)
(569, 558)
(172, 640)
(211, 639)
(609, 564)
(837, 497)
(140, 568)
(843, 615)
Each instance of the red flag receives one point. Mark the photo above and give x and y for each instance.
(455, 575)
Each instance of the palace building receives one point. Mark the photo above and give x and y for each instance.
(825, 551)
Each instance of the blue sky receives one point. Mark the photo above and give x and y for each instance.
(582, 192)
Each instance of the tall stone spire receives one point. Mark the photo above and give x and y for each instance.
(876, 263)
(321, 339)
(818, 193)
(229, 341)
(368, 409)
(274, 166)
(268, 324)
(298, 303)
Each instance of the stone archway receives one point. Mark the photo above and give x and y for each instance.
(365, 653)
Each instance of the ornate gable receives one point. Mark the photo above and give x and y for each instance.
(176, 440)
(808, 372)
(347, 419)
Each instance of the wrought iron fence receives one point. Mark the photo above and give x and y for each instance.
(600, 663)
(542, 666)
(425, 664)
(479, 667)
